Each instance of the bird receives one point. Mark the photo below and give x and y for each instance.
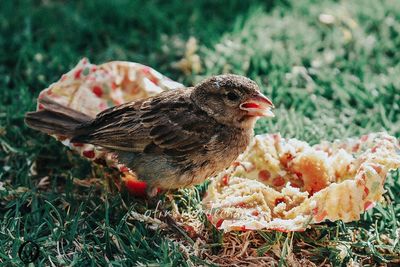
(172, 140)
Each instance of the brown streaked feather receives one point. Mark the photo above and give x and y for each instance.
(55, 118)
(161, 121)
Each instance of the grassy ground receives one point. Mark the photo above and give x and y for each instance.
(329, 79)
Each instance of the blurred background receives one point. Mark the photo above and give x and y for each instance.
(331, 68)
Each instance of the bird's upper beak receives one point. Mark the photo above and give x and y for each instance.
(258, 105)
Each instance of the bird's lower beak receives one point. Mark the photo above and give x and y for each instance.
(259, 106)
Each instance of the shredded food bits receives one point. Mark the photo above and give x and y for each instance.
(286, 185)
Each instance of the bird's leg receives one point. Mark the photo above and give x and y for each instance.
(154, 198)
(170, 218)
(151, 191)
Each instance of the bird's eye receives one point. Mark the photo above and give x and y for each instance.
(232, 96)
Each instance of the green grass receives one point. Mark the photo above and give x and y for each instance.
(327, 80)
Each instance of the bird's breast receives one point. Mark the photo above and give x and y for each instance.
(222, 150)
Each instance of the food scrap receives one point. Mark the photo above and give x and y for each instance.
(286, 184)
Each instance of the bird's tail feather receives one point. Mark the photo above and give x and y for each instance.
(55, 118)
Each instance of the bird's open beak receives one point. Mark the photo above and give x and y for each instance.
(258, 105)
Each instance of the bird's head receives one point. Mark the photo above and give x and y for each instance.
(232, 100)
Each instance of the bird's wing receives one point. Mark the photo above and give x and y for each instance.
(168, 123)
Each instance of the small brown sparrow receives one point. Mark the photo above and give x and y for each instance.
(174, 139)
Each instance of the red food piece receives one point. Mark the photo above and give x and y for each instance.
(77, 74)
(236, 163)
(225, 180)
(136, 187)
(97, 90)
(279, 200)
(278, 181)
(264, 175)
(366, 192)
(315, 211)
(218, 224)
(368, 205)
(89, 154)
(255, 213)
